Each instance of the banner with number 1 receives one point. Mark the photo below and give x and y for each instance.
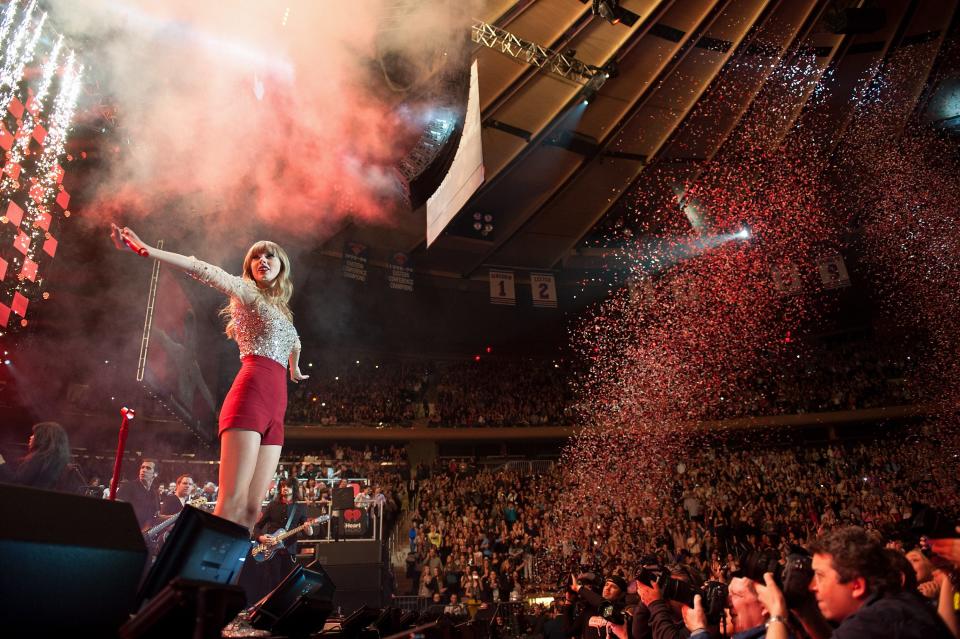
(502, 289)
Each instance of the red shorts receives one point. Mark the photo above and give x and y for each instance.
(257, 399)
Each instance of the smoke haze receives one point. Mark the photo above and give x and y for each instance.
(253, 111)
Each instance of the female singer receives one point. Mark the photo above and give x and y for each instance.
(251, 418)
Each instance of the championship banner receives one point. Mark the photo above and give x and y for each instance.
(400, 272)
(543, 289)
(355, 261)
(833, 271)
(786, 279)
(501, 288)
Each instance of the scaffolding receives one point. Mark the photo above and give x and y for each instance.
(565, 66)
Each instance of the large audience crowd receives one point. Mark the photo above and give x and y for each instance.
(488, 536)
(723, 515)
(500, 391)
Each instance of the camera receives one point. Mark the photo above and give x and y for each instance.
(670, 588)
(611, 612)
(930, 522)
(793, 577)
(713, 595)
(713, 598)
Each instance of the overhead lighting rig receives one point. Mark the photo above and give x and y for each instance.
(612, 12)
(562, 64)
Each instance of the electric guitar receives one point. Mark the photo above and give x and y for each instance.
(264, 551)
(157, 535)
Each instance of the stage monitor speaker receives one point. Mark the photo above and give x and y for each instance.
(69, 562)
(391, 620)
(357, 625)
(186, 609)
(201, 547)
(299, 606)
(407, 619)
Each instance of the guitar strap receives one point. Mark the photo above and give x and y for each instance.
(293, 511)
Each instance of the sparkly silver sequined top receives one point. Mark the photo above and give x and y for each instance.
(260, 327)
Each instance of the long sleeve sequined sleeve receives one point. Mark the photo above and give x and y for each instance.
(217, 278)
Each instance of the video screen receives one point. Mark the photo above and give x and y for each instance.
(175, 368)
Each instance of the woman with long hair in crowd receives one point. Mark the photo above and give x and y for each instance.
(45, 464)
(260, 321)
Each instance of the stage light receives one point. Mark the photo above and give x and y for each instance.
(7, 362)
(743, 234)
(612, 12)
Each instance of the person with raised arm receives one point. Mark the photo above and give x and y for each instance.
(260, 321)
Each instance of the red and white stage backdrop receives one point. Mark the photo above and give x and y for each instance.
(40, 80)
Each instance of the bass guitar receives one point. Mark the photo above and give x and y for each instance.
(264, 551)
(158, 534)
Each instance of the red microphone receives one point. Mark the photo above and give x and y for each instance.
(136, 248)
(116, 235)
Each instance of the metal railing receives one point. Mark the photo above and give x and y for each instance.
(412, 603)
(535, 467)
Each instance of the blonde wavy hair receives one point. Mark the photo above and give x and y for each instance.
(277, 293)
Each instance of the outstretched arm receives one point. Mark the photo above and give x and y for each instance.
(295, 373)
(207, 273)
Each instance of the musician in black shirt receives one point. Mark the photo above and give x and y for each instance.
(143, 493)
(173, 503)
(274, 520)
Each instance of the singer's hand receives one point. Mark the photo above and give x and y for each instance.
(126, 238)
(115, 236)
(296, 375)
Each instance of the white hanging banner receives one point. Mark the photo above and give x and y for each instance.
(833, 271)
(502, 289)
(543, 288)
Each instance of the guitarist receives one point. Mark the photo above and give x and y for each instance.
(282, 512)
(173, 503)
(143, 493)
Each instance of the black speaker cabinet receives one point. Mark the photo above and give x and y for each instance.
(299, 606)
(357, 585)
(201, 547)
(186, 609)
(66, 563)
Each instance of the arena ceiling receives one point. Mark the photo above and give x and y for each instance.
(687, 73)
